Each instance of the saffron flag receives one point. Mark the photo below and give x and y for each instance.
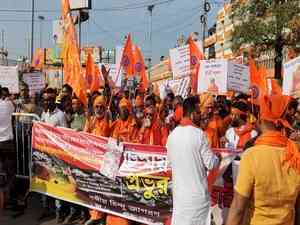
(92, 74)
(258, 85)
(195, 56)
(139, 68)
(71, 55)
(38, 59)
(128, 58)
(273, 87)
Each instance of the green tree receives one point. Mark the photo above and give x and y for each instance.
(267, 25)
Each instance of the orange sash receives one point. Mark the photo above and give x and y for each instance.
(277, 139)
(244, 134)
(187, 122)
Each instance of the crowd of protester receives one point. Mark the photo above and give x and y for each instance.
(229, 121)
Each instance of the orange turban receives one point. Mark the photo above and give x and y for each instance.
(99, 100)
(139, 101)
(125, 103)
(273, 107)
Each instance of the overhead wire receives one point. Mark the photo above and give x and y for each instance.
(116, 8)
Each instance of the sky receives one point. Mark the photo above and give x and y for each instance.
(106, 27)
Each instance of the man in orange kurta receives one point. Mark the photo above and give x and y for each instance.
(98, 125)
(122, 129)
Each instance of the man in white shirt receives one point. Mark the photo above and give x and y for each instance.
(190, 159)
(6, 110)
(55, 117)
(51, 114)
(7, 149)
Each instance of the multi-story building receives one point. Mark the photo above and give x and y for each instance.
(219, 42)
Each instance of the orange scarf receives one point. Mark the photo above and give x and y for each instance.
(277, 139)
(187, 122)
(244, 134)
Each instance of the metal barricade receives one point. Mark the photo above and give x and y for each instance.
(23, 131)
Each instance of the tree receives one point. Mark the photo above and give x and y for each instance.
(267, 25)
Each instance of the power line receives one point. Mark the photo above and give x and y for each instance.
(105, 31)
(116, 8)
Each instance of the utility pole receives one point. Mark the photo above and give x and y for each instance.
(3, 51)
(32, 30)
(150, 9)
(41, 18)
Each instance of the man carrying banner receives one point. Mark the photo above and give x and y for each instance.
(98, 125)
(269, 174)
(190, 158)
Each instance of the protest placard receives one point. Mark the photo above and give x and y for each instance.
(178, 87)
(212, 76)
(238, 77)
(180, 61)
(35, 82)
(291, 78)
(54, 78)
(9, 77)
(218, 76)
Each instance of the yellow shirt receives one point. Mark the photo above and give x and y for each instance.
(272, 187)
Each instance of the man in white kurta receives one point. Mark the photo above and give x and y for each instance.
(190, 159)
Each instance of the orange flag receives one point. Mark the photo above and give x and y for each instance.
(195, 56)
(273, 87)
(139, 68)
(38, 59)
(258, 85)
(92, 74)
(71, 57)
(128, 58)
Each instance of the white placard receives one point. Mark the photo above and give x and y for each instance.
(291, 78)
(54, 78)
(212, 76)
(9, 78)
(217, 76)
(238, 77)
(180, 60)
(112, 73)
(35, 82)
(80, 4)
(178, 87)
(112, 159)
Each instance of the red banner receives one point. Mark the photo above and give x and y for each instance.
(129, 180)
(67, 165)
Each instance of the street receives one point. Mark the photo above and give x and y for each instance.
(30, 216)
